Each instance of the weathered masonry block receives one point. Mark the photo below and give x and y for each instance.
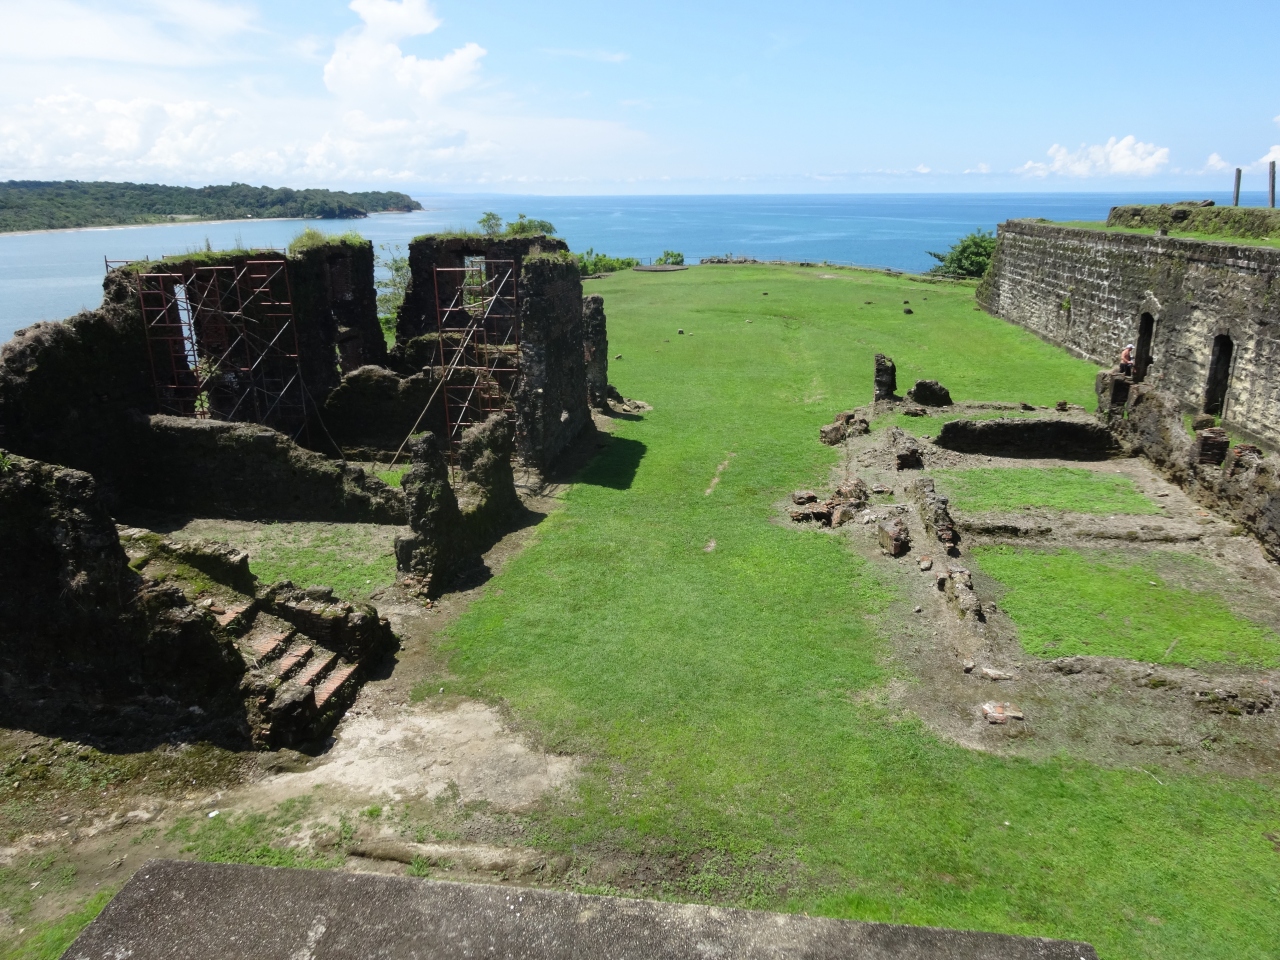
(1203, 315)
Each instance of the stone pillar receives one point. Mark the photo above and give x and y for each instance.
(488, 481)
(435, 551)
(551, 399)
(886, 378)
(595, 346)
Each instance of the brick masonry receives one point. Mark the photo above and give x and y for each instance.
(1087, 290)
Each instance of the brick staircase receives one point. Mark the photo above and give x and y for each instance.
(296, 688)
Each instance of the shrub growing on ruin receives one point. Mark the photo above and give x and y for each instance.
(968, 257)
(671, 258)
(591, 263)
(522, 226)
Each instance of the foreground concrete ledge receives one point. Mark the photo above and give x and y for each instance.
(174, 909)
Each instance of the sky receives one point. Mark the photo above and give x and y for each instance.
(585, 98)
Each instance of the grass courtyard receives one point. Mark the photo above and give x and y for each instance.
(722, 669)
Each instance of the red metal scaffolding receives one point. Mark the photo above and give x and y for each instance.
(223, 344)
(478, 319)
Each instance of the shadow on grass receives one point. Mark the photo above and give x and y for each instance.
(616, 465)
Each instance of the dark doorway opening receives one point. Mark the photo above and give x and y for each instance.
(1142, 358)
(1215, 391)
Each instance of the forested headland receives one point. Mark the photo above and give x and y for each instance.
(50, 205)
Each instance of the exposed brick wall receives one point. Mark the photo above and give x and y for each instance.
(1086, 290)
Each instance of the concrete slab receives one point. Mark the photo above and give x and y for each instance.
(203, 911)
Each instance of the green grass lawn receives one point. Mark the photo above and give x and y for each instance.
(728, 694)
(1057, 488)
(1067, 603)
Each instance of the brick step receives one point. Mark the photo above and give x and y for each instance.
(267, 639)
(293, 659)
(320, 663)
(343, 678)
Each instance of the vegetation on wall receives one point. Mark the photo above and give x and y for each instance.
(968, 257)
(522, 226)
(48, 205)
(592, 263)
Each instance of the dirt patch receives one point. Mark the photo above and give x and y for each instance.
(420, 753)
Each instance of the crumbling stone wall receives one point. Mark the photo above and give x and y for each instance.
(551, 398)
(210, 468)
(1088, 290)
(595, 343)
(436, 551)
(81, 630)
(1246, 487)
(488, 484)
(335, 305)
(374, 409)
(417, 315)
(69, 390)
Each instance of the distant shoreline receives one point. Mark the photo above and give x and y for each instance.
(183, 223)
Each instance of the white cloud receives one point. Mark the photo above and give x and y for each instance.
(980, 168)
(1267, 158)
(1127, 157)
(368, 60)
(921, 168)
(381, 117)
(1215, 162)
(182, 33)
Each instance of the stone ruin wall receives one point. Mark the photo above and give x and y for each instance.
(1087, 290)
(552, 396)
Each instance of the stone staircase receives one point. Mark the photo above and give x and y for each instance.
(303, 650)
(296, 685)
(293, 683)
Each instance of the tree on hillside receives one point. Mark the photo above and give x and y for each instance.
(491, 223)
(671, 258)
(968, 257)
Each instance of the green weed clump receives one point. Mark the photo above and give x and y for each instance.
(311, 238)
(1054, 488)
(1068, 603)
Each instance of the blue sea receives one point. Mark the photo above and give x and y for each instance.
(52, 274)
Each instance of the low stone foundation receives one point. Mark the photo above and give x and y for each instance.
(1012, 437)
(1246, 487)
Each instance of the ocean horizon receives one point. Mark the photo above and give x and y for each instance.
(51, 275)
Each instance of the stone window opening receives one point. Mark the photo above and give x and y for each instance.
(1142, 358)
(1215, 393)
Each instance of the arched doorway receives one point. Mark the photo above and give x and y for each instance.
(1142, 357)
(1215, 391)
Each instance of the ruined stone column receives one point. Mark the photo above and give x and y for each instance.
(886, 378)
(487, 479)
(595, 344)
(435, 551)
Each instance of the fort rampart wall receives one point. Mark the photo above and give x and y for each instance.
(1203, 314)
